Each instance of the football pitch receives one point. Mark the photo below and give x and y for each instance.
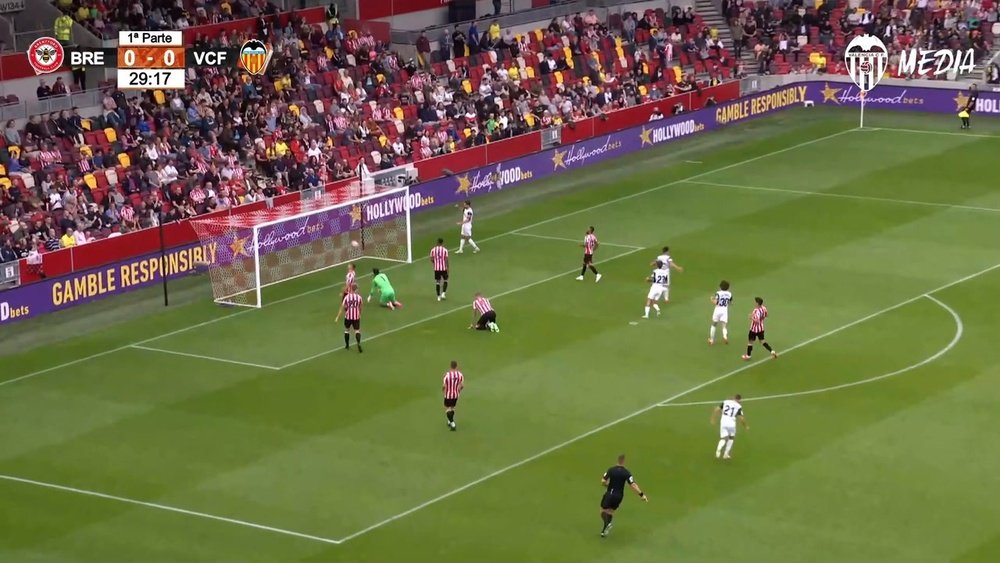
(132, 432)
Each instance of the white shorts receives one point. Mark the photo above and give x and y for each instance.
(467, 230)
(659, 291)
(720, 315)
(727, 430)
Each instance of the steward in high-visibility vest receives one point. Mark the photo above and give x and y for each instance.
(64, 29)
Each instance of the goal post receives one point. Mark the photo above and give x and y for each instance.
(257, 249)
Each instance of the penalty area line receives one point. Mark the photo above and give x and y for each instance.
(202, 357)
(959, 331)
(566, 239)
(450, 311)
(167, 508)
(856, 197)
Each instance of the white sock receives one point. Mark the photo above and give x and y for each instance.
(461, 244)
(718, 449)
(657, 307)
(711, 333)
(729, 446)
(725, 332)
(647, 311)
(472, 243)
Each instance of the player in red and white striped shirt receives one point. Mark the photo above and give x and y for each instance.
(451, 387)
(349, 279)
(350, 308)
(439, 260)
(485, 318)
(757, 317)
(589, 245)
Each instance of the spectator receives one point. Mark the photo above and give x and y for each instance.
(7, 253)
(44, 90)
(68, 240)
(11, 134)
(59, 88)
(458, 42)
(63, 30)
(423, 51)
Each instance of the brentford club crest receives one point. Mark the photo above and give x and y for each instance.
(46, 55)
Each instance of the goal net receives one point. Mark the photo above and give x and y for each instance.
(257, 249)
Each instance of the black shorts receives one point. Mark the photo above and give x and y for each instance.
(611, 501)
(440, 275)
(488, 317)
(356, 325)
(588, 258)
(450, 403)
(751, 336)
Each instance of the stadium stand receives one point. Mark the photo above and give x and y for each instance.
(105, 18)
(784, 37)
(334, 98)
(331, 100)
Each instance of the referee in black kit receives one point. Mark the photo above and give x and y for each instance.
(615, 480)
(970, 106)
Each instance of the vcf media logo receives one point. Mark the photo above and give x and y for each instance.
(254, 56)
(866, 59)
(46, 55)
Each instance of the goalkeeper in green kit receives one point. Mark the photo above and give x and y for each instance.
(386, 294)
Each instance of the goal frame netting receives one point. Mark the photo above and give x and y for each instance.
(329, 224)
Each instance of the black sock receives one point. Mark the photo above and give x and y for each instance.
(451, 416)
(357, 336)
(749, 349)
(437, 287)
(583, 271)
(593, 269)
(445, 288)
(347, 339)
(606, 518)
(767, 347)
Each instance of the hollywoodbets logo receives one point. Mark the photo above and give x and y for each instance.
(254, 56)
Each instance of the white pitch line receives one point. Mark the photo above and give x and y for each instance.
(514, 231)
(959, 331)
(847, 196)
(929, 132)
(167, 508)
(683, 180)
(450, 311)
(566, 239)
(201, 357)
(657, 404)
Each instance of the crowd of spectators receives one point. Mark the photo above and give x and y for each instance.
(105, 18)
(330, 101)
(785, 36)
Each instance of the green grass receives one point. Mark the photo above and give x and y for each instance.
(843, 232)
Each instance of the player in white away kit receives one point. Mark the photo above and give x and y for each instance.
(668, 264)
(466, 232)
(660, 279)
(728, 412)
(720, 316)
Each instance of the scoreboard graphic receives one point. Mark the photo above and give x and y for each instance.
(149, 60)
